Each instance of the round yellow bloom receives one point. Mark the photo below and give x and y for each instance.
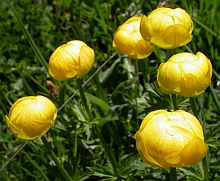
(128, 40)
(167, 28)
(73, 59)
(171, 139)
(31, 117)
(185, 74)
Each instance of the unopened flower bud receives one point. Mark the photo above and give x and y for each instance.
(171, 139)
(73, 59)
(31, 117)
(167, 28)
(128, 40)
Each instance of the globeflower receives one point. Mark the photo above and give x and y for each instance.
(171, 139)
(31, 117)
(73, 59)
(167, 28)
(185, 74)
(128, 40)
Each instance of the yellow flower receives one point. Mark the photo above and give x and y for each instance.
(167, 28)
(128, 40)
(73, 59)
(185, 74)
(170, 139)
(31, 117)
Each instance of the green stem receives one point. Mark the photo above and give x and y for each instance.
(205, 168)
(204, 161)
(137, 77)
(83, 97)
(215, 98)
(136, 90)
(169, 53)
(101, 91)
(173, 174)
(157, 55)
(193, 106)
(145, 69)
(75, 145)
(172, 169)
(108, 152)
(62, 170)
(98, 132)
(173, 97)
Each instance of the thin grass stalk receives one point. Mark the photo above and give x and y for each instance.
(205, 27)
(62, 170)
(204, 160)
(98, 132)
(29, 38)
(36, 165)
(14, 155)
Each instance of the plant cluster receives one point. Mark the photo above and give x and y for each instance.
(149, 108)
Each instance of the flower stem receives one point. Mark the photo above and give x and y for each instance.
(204, 161)
(136, 90)
(215, 98)
(173, 169)
(173, 97)
(193, 106)
(84, 101)
(205, 168)
(62, 170)
(173, 174)
(98, 132)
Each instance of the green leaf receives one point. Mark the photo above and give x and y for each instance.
(97, 101)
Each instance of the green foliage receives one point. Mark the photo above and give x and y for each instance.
(117, 104)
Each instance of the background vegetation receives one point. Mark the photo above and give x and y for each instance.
(117, 104)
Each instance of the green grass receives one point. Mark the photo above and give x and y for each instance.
(31, 30)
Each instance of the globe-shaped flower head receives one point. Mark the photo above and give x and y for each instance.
(185, 74)
(128, 40)
(31, 117)
(171, 139)
(167, 28)
(73, 59)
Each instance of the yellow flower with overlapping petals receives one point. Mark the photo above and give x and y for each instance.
(167, 28)
(128, 40)
(185, 74)
(31, 117)
(73, 59)
(171, 139)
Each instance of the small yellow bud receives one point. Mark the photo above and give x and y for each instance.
(167, 28)
(185, 74)
(31, 117)
(171, 139)
(73, 59)
(128, 40)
